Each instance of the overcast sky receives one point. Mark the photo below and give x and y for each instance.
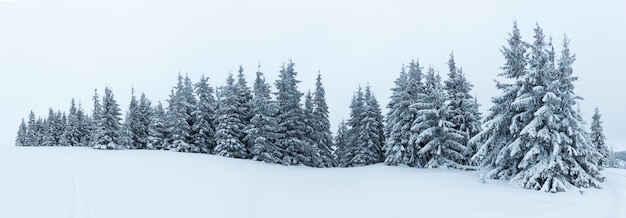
(53, 50)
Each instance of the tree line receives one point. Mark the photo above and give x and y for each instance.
(533, 134)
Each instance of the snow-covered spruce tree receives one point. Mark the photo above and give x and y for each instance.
(341, 142)
(203, 125)
(32, 132)
(145, 115)
(133, 129)
(40, 129)
(156, 129)
(84, 126)
(229, 125)
(321, 125)
(72, 133)
(497, 129)
(290, 116)
(108, 133)
(550, 149)
(262, 133)
(442, 144)
(463, 108)
(400, 118)
(54, 127)
(96, 125)
(243, 94)
(597, 138)
(22, 135)
(370, 138)
(180, 116)
(309, 120)
(354, 128)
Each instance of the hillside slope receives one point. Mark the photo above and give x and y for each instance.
(81, 182)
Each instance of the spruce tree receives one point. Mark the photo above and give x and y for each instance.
(262, 132)
(370, 138)
(96, 126)
(33, 131)
(22, 135)
(321, 125)
(292, 136)
(354, 130)
(441, 143)
(156, 129)
(133, 128)
(72, 136)
(84, 126)
(463, 108)
(341, 144)
(229, 130)
(309, 122)
(143, 119)
(244, 96)
(204, 126)
(180, 116)
(400, 116)
(598, 139)
(108, 133)
(498, 130)
(547, 147)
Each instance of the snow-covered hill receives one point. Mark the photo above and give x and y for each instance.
(81, 182)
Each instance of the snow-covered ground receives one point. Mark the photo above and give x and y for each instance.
(82, 182)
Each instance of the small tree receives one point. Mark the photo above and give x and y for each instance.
(597, 139)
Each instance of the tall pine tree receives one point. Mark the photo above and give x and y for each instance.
(598, 139)
(107, 136)
(229, 130)
(441, 143)
(204, 126)
(321, 125)
(262, 133)
(463, 113)
(292, 135)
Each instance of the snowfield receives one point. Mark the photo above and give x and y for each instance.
(82, 182)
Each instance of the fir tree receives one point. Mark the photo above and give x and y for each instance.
(180, 115)
(22, 135)
(441, 144)
(463, 108)
(547, 148)
(203, 126)
(597, 139)
(354, 130)
(84, 126)
(143, 120)
(96, 125)
(309, 120)
(229, 130)
(33, 132)
(498, 129)
(262, 133)
(341, 144)
(72, 136)
(52, 129)
(321, 125)
(400, 116)
(132, 124)
(108, 134)
(244, 96)
(156, 129)
(292, 136)
(370, 138)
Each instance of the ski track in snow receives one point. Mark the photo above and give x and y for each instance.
(619, 180)
(90, 196)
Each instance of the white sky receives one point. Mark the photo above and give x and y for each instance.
(53, 50)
